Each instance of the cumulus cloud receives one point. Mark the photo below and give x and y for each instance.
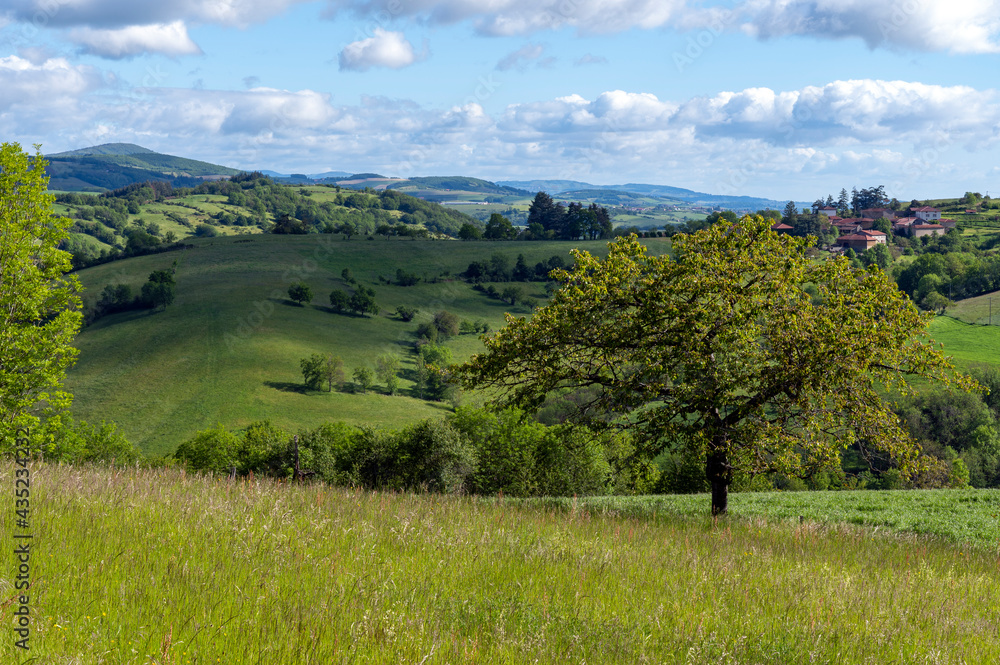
(25, 83)
(124, 13)
(521, 58)
(969, 26)
(168, 39)
(847, 111)
(752, 141)
(384, 49)
(519, 17)
(972, 26)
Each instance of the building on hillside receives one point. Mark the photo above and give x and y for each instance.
(926, 213)
(901, 227)
(847, 226)
(866, 223)
(921, 228)
(781, 227)
(875, 213)
(862, 240)
(829, 211)
(948, 224)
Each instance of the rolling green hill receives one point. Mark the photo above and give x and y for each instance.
(227, 351)
(115, 165)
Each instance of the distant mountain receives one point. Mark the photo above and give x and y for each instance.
(459, 183)
(115, 165)
(690, 197)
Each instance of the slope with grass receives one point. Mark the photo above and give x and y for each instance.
(968, 344)
(188, 569)
(227, 350)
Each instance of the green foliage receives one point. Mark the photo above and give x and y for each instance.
(300, 293)
(39, 306)
(363, 302)
(406, 313)
(339, 300)
(318, 369)
(364, 378)
(387, 371)
(695, 350)
(447, 324)
(213, 450)
(470, 232)
(158, 291)
(499, 228)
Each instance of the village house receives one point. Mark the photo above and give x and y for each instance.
(921, 228)
(781, 227)
(828, 211)
(862, 240)
(875, 213)
(926, 213)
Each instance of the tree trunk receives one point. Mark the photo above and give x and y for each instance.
(720, 475)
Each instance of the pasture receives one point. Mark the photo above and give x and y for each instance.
(227, 350)
(159, 566)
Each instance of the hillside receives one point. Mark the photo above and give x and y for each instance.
(115, 165)
(665, 192)
(147, 217)
(227, 351)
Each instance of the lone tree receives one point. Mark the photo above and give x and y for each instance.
(39, 306)
(158, 291)
(721, 354)
(300, 293)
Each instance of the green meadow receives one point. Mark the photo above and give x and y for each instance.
(159, 566)
(227, 350)
(967, 343)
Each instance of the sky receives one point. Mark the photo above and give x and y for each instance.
(785, 99)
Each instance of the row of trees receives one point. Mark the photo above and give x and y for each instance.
(473, 451)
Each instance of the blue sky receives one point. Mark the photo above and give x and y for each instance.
(778, 98)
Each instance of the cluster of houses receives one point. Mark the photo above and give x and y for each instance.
(859, 234)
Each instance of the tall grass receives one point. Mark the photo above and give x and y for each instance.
(156, 566)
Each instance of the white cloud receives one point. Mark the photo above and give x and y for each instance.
(521, 58)
(168, 39)
(965, 26)
(753, 141)
(384, 49)
(25, 83)
(968, 26)
(519, 17)
(124, 13)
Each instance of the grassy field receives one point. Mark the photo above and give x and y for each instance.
(982, 310)
(227, 350)
(965, 517)
(162, 567)
(968, 344)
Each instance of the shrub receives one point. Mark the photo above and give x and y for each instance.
(211, 450)
(406, 313)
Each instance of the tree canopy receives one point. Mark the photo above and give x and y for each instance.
(39, 306)
(720, 352)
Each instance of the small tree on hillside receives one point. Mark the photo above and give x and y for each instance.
(387, 369)
(300, 293)
(158, 292)
(339, 300)
(364, 378)
(363, 302)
